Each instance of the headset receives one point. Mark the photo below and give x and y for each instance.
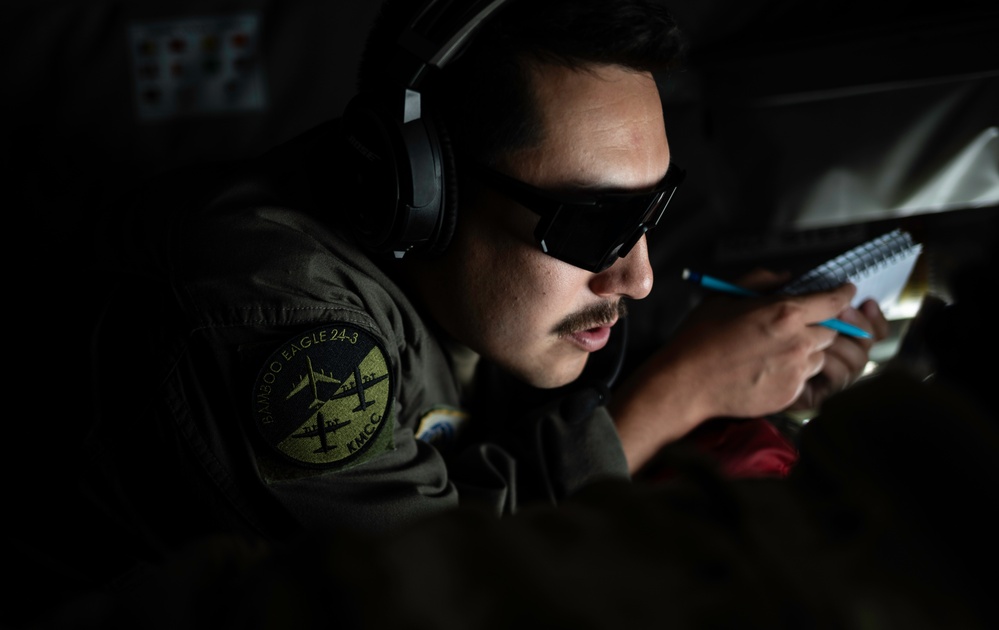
(400, 153)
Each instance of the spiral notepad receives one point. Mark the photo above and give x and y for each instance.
(880, 268)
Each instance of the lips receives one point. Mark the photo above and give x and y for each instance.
(592, 339)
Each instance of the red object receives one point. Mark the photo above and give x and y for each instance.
(741, 448)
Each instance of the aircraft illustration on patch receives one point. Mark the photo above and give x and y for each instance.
(311, 380)
(324, 420)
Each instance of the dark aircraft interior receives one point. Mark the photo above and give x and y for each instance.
(805, 128)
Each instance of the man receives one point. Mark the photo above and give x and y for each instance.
(271, 366)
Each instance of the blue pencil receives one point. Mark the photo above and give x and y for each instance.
(709, 282)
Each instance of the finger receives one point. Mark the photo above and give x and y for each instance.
(824, 305)
(869, 318)
(856, 318)
(832, 376)
(845, 361)
(804, 381)
(879, 326)
(822, 337)
(818, 363)
(816, 342)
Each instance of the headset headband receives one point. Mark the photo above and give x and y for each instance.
(401, 153)
(438, 33)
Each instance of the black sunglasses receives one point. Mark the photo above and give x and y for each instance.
(588, 231)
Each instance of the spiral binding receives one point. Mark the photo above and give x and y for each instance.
(857, 264)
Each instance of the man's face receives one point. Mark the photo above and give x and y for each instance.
(494, 290)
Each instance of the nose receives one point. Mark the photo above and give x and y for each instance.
(629, 277)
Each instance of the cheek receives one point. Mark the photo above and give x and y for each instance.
(499, 281)
(499, 287)
(526, 295)
(515, 292)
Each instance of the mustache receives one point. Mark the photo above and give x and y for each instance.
(591, 317)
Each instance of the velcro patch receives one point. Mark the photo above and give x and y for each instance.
(322, 399)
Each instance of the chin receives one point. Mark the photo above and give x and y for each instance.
(553, 375)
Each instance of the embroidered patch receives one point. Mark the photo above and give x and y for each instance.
(323, 397)
(441, 426)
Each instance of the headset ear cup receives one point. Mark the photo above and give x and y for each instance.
(449, 187)
(404, 169)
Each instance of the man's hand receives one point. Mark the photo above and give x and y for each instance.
(846, 358)
(740, 357)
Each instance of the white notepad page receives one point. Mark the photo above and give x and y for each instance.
(880, 268)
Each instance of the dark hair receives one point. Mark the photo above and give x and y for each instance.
(484, 97)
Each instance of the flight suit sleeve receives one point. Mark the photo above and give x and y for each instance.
(329, 433)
